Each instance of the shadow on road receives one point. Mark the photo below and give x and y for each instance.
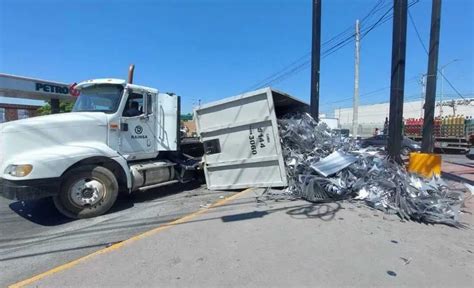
(244, 216)
(43, 212)
(456, 178)
(56, 251)
(325, 212)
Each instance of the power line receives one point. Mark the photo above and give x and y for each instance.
(378, 22)
(417, 33)
(279, 71)
(450, 84)
(346, 37)
(374, 10)
(427, 53)
(369, 93)
(384, 18)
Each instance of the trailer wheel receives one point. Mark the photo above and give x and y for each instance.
(86, 192)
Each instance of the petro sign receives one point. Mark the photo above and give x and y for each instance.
(56, 89)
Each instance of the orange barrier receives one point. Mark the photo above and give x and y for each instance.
(425, 164)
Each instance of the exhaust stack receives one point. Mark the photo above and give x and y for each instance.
(130, 73)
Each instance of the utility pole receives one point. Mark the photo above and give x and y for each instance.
(423, 91)
(54, 106)
(397, 82)
(315, 59)
(427, 141)
(355, 104)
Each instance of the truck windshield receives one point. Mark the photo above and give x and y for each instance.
(99, 98)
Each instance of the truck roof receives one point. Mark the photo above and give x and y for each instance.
(122, 82)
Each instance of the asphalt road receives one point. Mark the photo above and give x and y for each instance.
(457, 159)
(34, 237)
(245, 243)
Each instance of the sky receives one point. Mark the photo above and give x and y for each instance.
(205, 50)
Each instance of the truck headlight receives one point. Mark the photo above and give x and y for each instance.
(19, 170)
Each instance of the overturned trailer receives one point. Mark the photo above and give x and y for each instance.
(242, 146)
(262, 139)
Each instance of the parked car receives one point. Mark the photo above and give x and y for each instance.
(408, 145)
(470, 154)
(341, 132)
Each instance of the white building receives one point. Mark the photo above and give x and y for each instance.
(373, 116)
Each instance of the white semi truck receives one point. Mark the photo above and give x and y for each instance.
(119, 137)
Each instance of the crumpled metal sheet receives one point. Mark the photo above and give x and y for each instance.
(335, 162)
(323, 167)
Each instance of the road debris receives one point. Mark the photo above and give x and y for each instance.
(406, 261)
(391, 273)
(324, 167)
(470, 188)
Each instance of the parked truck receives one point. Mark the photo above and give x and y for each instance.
(451, 133)
(120, 137)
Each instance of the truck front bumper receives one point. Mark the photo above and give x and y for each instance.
(29, 189)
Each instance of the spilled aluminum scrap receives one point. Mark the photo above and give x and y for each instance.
(323, 167)
(333, 163)
(470, 188)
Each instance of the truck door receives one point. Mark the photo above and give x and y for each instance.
(138, 127)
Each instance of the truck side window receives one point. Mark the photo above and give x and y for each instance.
(134, 105)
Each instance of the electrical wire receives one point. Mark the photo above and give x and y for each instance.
(289, 71)
(383, 19)
(342, 39)
(364, 95)
(427, 53)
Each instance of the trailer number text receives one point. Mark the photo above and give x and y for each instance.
(257, 140)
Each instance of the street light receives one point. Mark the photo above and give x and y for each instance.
(441, 70)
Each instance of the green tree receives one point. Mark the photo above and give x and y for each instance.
(186, 117)
(63, 108)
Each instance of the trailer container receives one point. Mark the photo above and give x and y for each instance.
(241, 140)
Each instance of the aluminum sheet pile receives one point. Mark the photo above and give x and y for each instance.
(323, 167)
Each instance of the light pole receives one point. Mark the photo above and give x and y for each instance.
(442, 85)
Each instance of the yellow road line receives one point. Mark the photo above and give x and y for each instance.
(128, 241)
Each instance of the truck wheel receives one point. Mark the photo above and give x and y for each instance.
(86, 192)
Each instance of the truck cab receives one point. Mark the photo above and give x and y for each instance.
(119, 137)
(141, 121)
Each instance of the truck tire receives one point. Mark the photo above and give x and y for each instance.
(86, 192)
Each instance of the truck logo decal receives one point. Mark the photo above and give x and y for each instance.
(138, 129)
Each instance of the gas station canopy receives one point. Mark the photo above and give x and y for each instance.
(38, 89)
